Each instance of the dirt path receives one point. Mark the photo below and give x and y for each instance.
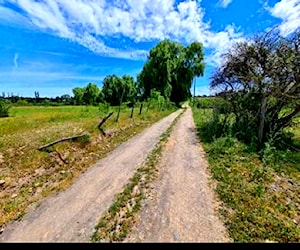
(71, 215)
(182, 207)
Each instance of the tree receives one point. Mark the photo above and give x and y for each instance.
(91, 94)
(78, 95)
(260, 79)
(36, 95)
(65, 99)
(170, 69)
(117, 90)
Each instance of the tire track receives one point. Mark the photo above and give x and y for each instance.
(182, 206)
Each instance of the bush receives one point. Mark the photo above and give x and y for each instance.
(4, 108)
(227, 145)
(21, 103)
(208, 102)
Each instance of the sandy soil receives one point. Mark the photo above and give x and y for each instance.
(71, 215)
(182, 205)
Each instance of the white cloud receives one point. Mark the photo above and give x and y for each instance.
(11, 17)
(289, 12)
(16, 56)
(89, 22)
(224, 3)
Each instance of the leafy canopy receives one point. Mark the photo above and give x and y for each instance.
(119, 89)
(170, 69)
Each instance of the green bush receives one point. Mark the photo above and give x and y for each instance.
(208, 102)
(226, 145)
(21, 103)
(4, 108)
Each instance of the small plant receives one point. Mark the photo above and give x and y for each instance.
(104, 107)
(268, 156)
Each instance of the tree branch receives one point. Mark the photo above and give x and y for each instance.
(104, 119)
(61, 140)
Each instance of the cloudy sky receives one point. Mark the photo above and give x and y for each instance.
(52, 46)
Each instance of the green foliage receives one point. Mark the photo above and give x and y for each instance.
(91, 94)
(268, 153)
(226, 145)
(213, 102)
(170, 69)
(4, 108)
(46, 103)
(117, 90)
(259, 80)
(78, 95)
(104, 107)
(21, 103)
(215, 124)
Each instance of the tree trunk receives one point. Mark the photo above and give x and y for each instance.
(194, 99)
(262, 114)
(121, 101)
(132, 110)
(141, 109)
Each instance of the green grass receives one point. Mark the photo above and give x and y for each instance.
(26, 118)
(260, 198)
(30, 174)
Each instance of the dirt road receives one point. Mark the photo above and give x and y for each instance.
(71, 215)
(182, 208)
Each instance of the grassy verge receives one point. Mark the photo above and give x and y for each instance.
(117, 222)
(260, 196)
(28, 175)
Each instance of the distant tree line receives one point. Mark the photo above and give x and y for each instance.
(17, 100)
(166, 76)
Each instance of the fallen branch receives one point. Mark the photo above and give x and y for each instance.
(61, 140)
(104, 119)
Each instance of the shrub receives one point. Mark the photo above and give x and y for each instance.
(4, 108)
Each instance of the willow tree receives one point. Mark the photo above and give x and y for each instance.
(260, 79)
(119, 89)
(170, 69)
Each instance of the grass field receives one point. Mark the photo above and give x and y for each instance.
(260, 198)
(27, 174)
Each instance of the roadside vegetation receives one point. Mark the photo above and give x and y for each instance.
(250, 131)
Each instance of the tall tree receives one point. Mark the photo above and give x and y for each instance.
(170, 69)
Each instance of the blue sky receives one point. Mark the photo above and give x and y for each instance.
(52, 46)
